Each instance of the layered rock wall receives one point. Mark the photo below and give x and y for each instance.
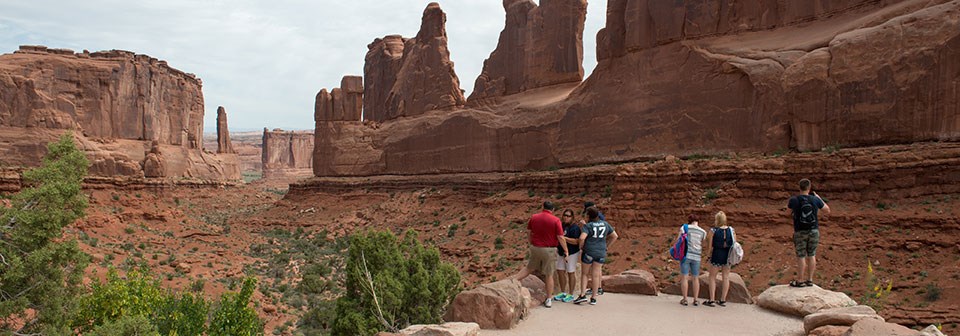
(119, 105)
(693, 77)
(287, 153)
(539, 46)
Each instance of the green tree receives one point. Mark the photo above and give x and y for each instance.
(392, 283)
(233, 316)
(39, 271)
(134, 325)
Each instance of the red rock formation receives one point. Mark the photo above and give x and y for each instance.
(224, 146)
(287, 153)
(116, 102)
(426, 80)
(539, 46)
(380, 68)
(696, 77)
(341, 104)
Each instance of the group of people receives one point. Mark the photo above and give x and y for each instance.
(559, 245)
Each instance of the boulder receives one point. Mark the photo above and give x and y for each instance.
(844, 316)
(829, 331)
(872, 327)
(738, 289)
(931, 330)
(498, 305)
(537, 288)
(631, 282)
(802, 301)
(446, 329)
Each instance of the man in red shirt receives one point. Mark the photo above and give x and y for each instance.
(546, 233)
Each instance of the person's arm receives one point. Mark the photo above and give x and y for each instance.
(572, 241)
(583, 237)
(563, 244)
(611, 239)
(825, 207)
(709, 243)
(733, 233)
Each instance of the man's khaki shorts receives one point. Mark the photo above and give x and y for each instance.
(543, 260)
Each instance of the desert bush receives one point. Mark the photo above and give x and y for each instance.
(40, 273)
(133, 325)
(392, 283)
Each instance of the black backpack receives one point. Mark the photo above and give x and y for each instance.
(806, 213)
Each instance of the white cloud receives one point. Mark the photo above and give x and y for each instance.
(263, 60)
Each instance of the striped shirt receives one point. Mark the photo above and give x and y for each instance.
(695, 237)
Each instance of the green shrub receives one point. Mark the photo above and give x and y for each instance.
(40, 274)
(233, 316)
(392, 283)
(134, 325)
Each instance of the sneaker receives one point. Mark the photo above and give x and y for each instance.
(548, 303)
(560, 296)
(568, 298)
(588, 292)
(593, 301)
(600, 291)
(580, 299)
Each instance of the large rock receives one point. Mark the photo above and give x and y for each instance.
(931, 330)
(426, 80)
(844, 316)
(224, 146)
(631, 282)
(872, 327)
(115, 102)
(738, 293)
(287, 153)
(829, 331)
(340, 104)
(539, 46)
(446, 329)
(498, 305)
(537, 288)
(802, 301)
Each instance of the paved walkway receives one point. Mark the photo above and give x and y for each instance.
(620, 314)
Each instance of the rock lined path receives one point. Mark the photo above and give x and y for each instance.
(621, 314)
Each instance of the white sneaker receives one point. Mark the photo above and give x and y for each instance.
(548, 303)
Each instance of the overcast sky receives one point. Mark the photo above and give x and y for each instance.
(262, 60)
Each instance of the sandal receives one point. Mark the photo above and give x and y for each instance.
(683, 302)
(797, 283)
(695, 303)
(808, 283)
(708, 303)
(722, 303)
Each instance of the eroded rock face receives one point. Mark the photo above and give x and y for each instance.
(116, 103)
(446, 329)
(341, 104)
(224, 146)
(802, 301)
(287, 153)
(539, 46)
(426, 80)
(874, 327)
(381, 66)
(845, 316)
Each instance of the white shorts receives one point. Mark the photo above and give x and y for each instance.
(569, 263)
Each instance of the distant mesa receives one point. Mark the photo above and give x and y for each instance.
(287, 153)
(133, 115)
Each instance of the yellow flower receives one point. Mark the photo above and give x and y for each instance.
(869, 268)
(889, 286)
(876, 288)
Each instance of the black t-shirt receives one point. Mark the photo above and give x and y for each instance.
(805, 219)
(572, 231)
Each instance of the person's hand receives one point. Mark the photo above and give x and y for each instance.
(582, 221)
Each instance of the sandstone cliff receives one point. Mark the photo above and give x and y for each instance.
(539, 46)
(117, 103)
(287, 153)
(696, 77)
(380, 69)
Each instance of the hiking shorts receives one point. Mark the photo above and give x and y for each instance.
(568, 264)
(543, 260)
(690, 267)
(806, 242)
(596, 257)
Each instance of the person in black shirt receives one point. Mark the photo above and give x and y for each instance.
(806, 231)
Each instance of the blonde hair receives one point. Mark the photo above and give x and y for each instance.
(721, 219)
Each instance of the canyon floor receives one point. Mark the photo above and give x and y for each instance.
(222, 234)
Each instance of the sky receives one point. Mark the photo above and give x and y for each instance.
(264, 61)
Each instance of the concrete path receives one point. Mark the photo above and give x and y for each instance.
(620, 314)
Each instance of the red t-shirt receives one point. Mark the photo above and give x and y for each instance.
(544, 228)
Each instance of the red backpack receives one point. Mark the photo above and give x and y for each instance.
(679, 249)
